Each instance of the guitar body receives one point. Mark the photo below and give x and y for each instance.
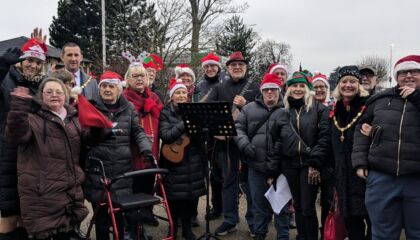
(174, 152)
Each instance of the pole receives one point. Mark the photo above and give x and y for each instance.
(103, 36)
(391, 46)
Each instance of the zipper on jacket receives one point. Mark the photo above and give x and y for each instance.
(298, 128)
(399, 138)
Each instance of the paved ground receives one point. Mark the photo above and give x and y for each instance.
(242, 233)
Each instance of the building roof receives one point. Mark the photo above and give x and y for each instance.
(52, 52)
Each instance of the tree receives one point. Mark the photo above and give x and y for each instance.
(236, 36)
(130, 25)
(202, 14)
(379, 63)
(270, 51)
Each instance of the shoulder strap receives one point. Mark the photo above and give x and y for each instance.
(259, 125)
(298, 135)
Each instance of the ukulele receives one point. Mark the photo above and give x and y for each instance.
(174, 152)
(235, 110)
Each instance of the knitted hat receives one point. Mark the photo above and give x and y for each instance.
(270, 81)
(321, 77)
(34, 48)
(211, 58)
(300, 77)
(153, 61)
(111, 78)
(351, 70)
(175, 84)
(235, 57)
(184, 68)
(89, 116)
(407, 63)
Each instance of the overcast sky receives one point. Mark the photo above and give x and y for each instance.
(322, 33)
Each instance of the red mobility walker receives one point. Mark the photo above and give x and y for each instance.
(133, 202)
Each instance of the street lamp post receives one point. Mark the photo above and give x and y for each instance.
(103, 36)
(391, 47)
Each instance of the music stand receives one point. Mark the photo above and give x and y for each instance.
(208, 120)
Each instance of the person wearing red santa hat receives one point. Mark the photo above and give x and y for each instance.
(280, 70)
(184, 183)
(388, 157)
(186, 74)
(322, 88)
(252, 126)
(114, 150)
(148, 106)
(24, 69)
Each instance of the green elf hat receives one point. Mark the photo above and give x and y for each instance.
(300, 77)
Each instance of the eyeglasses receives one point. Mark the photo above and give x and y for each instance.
(413, 72)
(270, 89)
(237, 64)
(319, 87)
(52, 92)
(137, 76)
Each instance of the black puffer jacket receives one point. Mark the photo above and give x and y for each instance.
(288, 151)
(394, 146)
(205, 84)
(9, 199)
(249, 119)
(114, 150)
(185, 179)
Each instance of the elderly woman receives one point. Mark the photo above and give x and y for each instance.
(301, 139)
(148, 106)
(114, 151)
(68, 79)
(24, 69)
(185, 182)
(351, 98)
(49, 176)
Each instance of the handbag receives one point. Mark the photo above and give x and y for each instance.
(334, 226)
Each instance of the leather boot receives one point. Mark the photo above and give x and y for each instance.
(187, 230)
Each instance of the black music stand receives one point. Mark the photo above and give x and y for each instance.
(207, 120)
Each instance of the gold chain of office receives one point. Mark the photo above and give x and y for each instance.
(353, 121)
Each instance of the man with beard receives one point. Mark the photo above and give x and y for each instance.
(369, 78)
(227, 153)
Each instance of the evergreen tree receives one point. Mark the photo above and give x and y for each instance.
(236, 37)
(130, 25)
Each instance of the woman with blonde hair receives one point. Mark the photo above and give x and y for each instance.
(350, 105)
(301, 136)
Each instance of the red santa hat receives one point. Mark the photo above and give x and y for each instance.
(34, 48)
(175, 84)
(270, 81)
(89, 116)
(211, 58)
(111, 77)
(184, 68)
(274, 66)
(321, 77)
(407, 63)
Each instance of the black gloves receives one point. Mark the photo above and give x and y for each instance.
(11, 56)
(149, 159)
(249, 151)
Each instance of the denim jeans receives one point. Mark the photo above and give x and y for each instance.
(230, 171)
(393, 203)
(261, 207)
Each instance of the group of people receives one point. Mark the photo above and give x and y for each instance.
(352, 143)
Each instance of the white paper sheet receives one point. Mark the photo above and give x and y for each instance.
(281, 196)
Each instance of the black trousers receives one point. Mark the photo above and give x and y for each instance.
(183, 210)
(103, 222)
(304, 196)
(216, 184)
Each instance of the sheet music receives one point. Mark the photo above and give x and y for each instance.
(281, 196)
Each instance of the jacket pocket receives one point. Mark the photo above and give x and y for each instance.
(376, 136)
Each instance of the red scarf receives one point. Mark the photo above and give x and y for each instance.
(148, 107)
